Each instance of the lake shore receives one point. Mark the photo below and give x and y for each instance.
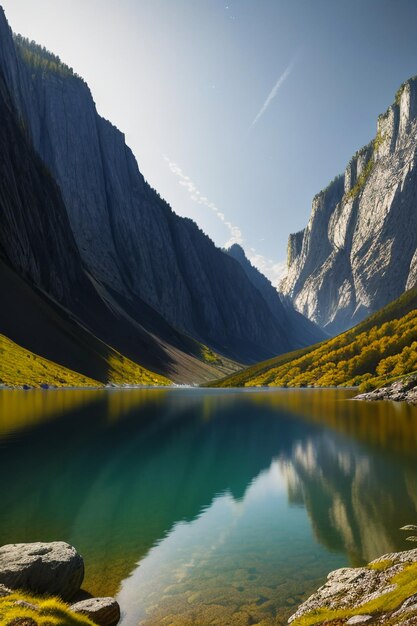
(403, 390)
(382, 593)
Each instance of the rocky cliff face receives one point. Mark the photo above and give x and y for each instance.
(129, 239)
(51, 305)
(297, 330)
(358, 251)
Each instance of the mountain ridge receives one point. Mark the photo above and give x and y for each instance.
(102, 252)
(129, 238)
(358, 250)
(299, 330)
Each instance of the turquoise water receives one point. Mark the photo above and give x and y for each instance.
(208, 506)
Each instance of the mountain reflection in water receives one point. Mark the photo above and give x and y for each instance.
(208, 505)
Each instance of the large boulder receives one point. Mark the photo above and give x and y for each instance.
(55, 568)
(102, 611)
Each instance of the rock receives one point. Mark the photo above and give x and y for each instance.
(4, 591)
(26, 605)
(359, 619)
(102, 611)
(350, 589)
(298, 328)
(355, 255)
(55, 568)
(403, 390)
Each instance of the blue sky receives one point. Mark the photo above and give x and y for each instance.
(191, 84)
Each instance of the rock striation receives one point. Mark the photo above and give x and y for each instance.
(359, 249)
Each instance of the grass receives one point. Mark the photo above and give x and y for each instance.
(406, 586)
(124, 371)
(361, 180)
(19, 367)
(49, 611)
(208, 356)
(380, 350)
(381, 566)
(243, 377)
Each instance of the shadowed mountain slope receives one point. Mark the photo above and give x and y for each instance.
(151, 267)
(298, 330)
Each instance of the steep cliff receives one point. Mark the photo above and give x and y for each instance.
(50, 304)
(358, 251)
(128, 238)
(298, 331)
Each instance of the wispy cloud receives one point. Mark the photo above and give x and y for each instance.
(272, 269)
(185, 181)
(281, 80)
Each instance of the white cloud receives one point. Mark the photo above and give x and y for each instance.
(195, 195)
(272, 269)
(274, 91)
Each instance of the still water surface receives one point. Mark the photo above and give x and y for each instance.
(208, 506)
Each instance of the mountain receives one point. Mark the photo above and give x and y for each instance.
(380, 349)
(358, 251)
(157, 273)
(50, 304)
(297, 329)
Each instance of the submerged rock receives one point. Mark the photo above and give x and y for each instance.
(55, 568)
(103, 611)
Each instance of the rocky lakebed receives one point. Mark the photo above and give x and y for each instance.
(383, 592)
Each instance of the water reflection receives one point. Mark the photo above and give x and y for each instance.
(20, 410)
(208, 505)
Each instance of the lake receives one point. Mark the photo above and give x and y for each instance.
(208, 506)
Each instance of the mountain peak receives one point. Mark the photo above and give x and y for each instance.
(356, 255)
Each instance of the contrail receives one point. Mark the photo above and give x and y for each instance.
(272, 269)
(274, 92)
(184, 180)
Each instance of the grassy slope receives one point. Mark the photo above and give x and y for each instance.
(46, 611)
(21, 367)
(381, 348)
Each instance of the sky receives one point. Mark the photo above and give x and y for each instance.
(238, 111)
